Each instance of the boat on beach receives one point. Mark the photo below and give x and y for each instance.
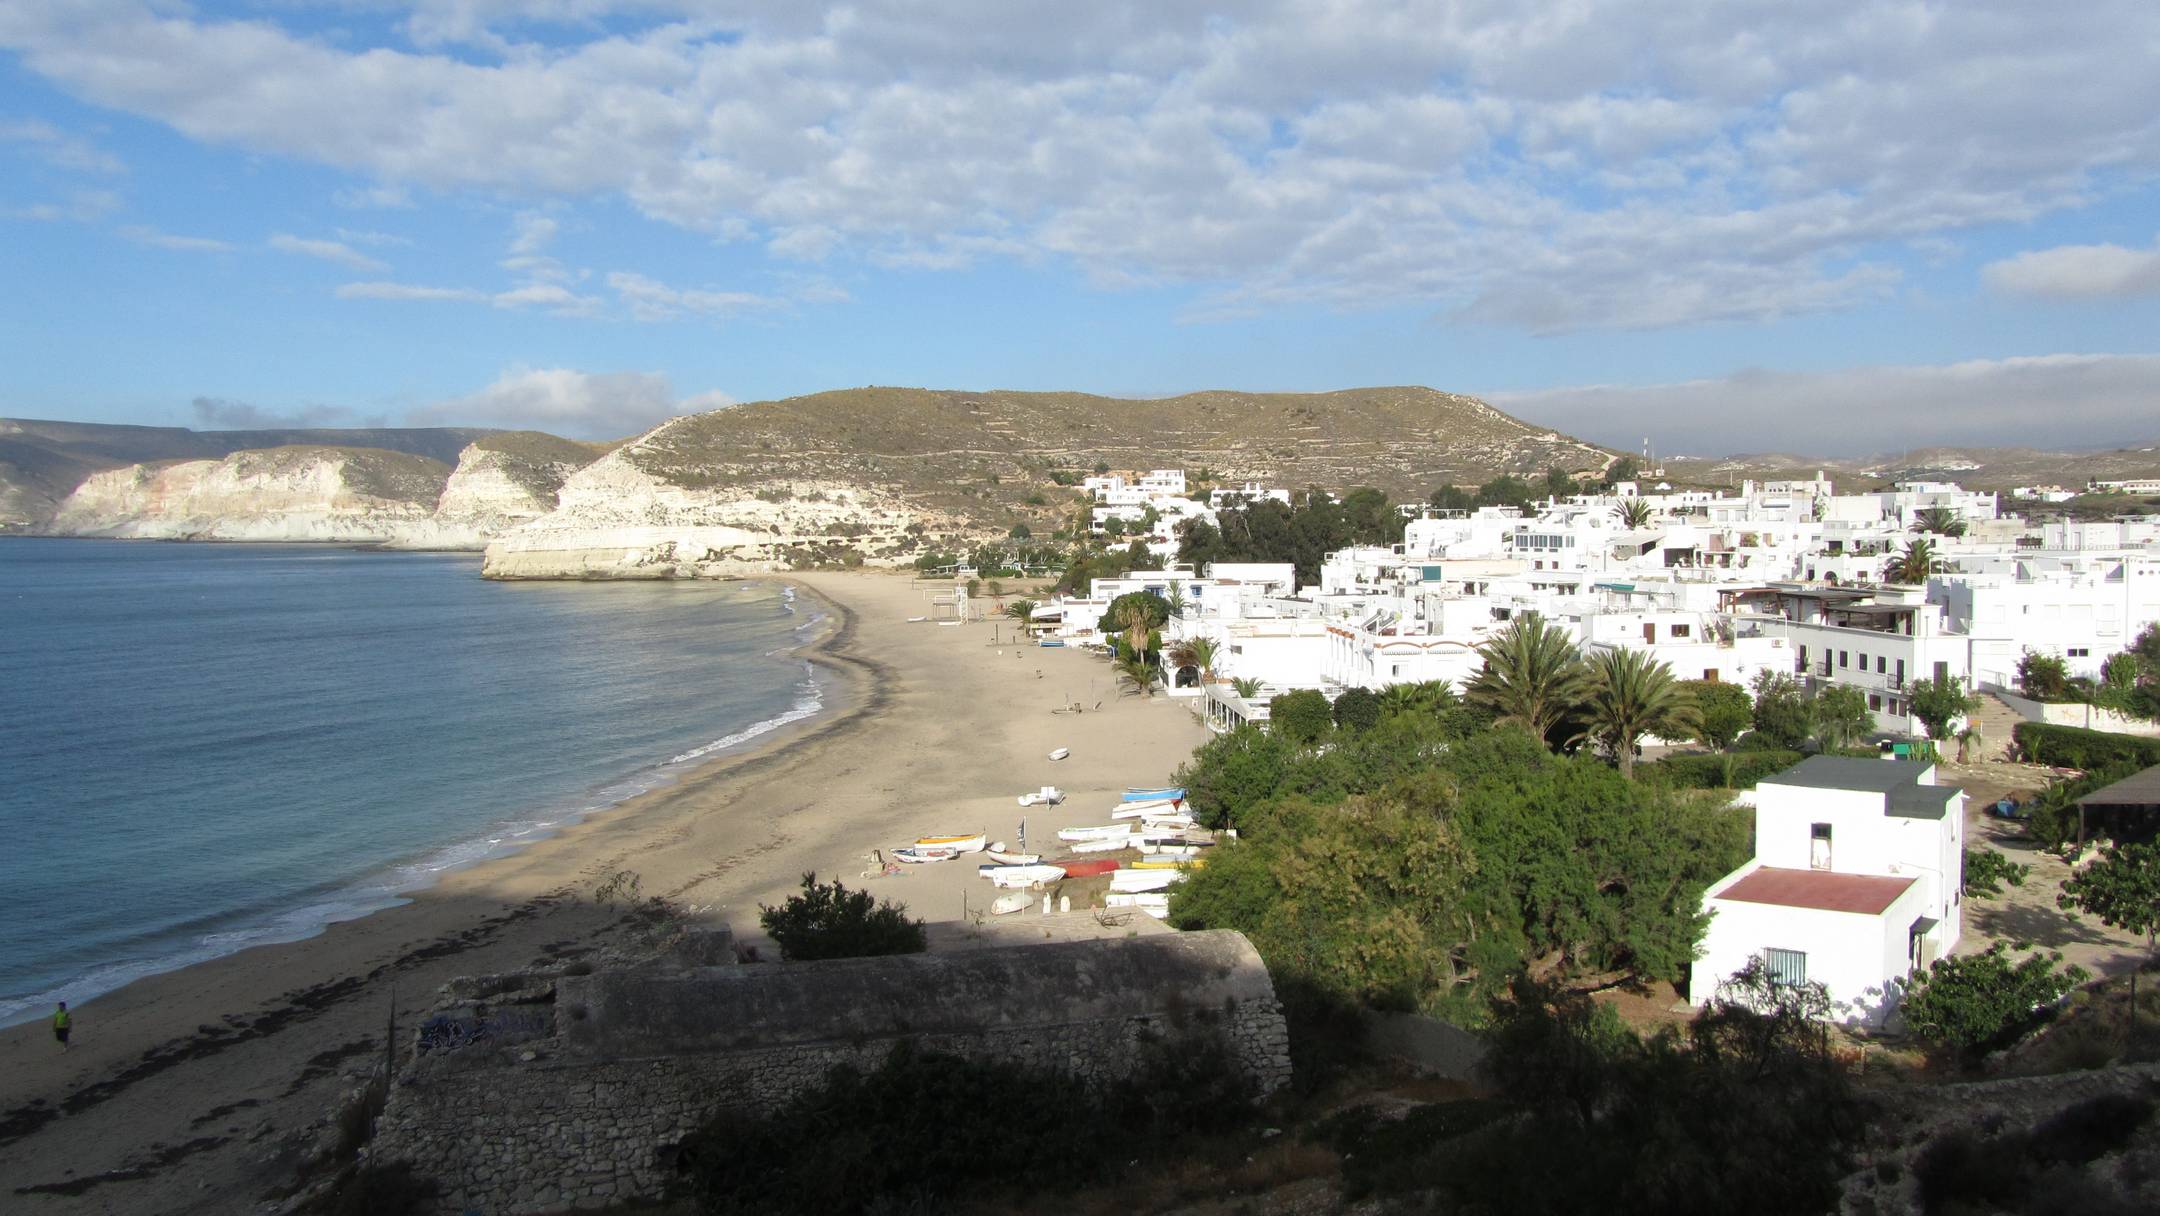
(1168, 863)
(1048, 795)
(1059, 753)
(958, 844)
(1136, 810)
(1005, 905)
(1012, 859)
(1113, 831)
(1154, 903)
(1144, 880)
(920, 856)
(1168, 793)
(1108, 844)
(1088, 867)
(1021, 876)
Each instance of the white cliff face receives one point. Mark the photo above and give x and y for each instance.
(489, 493)
(282, 494)
(614, 519)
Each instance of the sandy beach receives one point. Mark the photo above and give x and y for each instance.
(182, 1089)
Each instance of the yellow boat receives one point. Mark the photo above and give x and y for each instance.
(1168, 863)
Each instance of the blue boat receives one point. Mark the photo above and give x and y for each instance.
(1170, 793)
(1051, 642)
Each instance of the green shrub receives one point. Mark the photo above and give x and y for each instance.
(829, 921)
(1987, 870)
(1726, 770)
(1975, 1003)
(1300, 716)
(1357, 709)
(925, 1129)
(2075, 747)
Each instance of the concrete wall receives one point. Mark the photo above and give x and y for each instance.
(2088, 717)
(638, 1060)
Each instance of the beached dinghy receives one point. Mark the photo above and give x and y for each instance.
(1088, 867)
(1060, 753)
(1005, 905)
(1010, 858)
(1138, 810)
(1021, 876)
(1144, 880)
(1108, 845)
(918, 856)
(1167, 793)
(958, 844)
(1048, 795)
(1169, 863)
(1149, 848)
(1157, 827)
(1154, 903)
(1112, 831)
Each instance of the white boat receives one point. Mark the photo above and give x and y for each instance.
(1157, 827)
(1168, 863)
(1048, 795)
(1137, 810)
(1145, 880)
(1105, 845)
(1149, 848)
(1167, 793)
(1021, 876)
(1011, 858)
(958, 844)
(1154, 903)
(1005, 905)
(1060, 753)
(1113, 831)
(918, 856)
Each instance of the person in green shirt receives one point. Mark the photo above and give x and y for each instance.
(61, 1024)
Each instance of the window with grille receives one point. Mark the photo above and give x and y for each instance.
(1785, 966)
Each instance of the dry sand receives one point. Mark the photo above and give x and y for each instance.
(181, 1086)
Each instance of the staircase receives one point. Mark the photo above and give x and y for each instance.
(1996, 722)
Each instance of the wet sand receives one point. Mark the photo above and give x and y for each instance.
(181, 1087)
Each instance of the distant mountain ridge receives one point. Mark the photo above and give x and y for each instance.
(1978, 468)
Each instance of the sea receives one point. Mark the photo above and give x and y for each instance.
(206, 747)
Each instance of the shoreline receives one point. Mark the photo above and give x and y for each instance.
(827, 621)
(926, 730)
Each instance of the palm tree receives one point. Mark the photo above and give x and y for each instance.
(1424, 697)
(1134, 624)
(1136, 673)
(1176, 599)
(1632, 695)
(1193, 652)
(1942, 521)
(1021, 610)
(1632, 513)
(1246, 687)
(1533, 674)
(1970, 741)
(1914, 564)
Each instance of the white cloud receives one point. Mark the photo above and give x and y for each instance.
(585, 405)
(143, 235)
(651, 300)
(381, 197)
(328, 251)
(363, 236)
(59, 148)
(1550, 167)
(2039, 401)
(406, 291)
(80, 206)
(2069, 272)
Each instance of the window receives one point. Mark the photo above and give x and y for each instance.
(1709, 675)
(2079, 652)
(1680, 631)
(1844, 658)
(1882, 665)
(1786, 967)
(1874, 702)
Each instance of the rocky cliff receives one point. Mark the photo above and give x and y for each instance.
(323, 493)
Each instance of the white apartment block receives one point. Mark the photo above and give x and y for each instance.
(2079, 607)
(1855, 884)
(1879, 641)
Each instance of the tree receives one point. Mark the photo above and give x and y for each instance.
(1915, 563)
(1246, 687)
(1784, 716)
(2122, 888)
(1632, 513)
(1725, 710)
(2042, 677)
(1136, 673)
(1631, 695)
(1939, 700)
(1357, 709)
(1942, 521)
(829, 921)
(1974, 1003)
(1506, 490)
(1624, 469)
(1302, 716)
(1422, 697)
(1020, 532)
(1533, 674)
(1985, 872)
(1197, 653)
(2121, 671)
(1970, 741)
(1022, 611)
(1842, 715)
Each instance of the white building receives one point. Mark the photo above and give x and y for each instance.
(1878, 640)
(1855, 883)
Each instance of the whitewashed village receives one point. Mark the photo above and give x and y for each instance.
(1866, 604)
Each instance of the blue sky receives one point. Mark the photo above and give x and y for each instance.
(1842, 228)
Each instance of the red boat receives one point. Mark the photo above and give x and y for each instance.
(1086, 868)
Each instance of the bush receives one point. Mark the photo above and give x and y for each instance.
(1357, 709)
(1987, 870)
(2022, 1171)
(1727, 770)
(1975, 1003)
(2042, 677)
(829, 921)
(925, 1129)
(1302, 716)
(2075, 747)
(1726, 711)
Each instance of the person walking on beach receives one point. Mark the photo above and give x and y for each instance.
(61, 1024)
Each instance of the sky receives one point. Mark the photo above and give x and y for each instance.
(1841, 227)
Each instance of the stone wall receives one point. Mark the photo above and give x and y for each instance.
(589, 1113)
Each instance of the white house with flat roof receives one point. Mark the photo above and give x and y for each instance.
(1854, 884)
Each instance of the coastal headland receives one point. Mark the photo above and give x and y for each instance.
(184, 1091)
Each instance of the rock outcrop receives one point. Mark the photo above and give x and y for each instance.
(316, 493)
(278, 494)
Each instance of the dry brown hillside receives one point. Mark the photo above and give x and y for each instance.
(965, 450)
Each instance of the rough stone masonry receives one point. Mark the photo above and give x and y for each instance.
(577, 1093)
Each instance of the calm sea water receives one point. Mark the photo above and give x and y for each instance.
(206, 747)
